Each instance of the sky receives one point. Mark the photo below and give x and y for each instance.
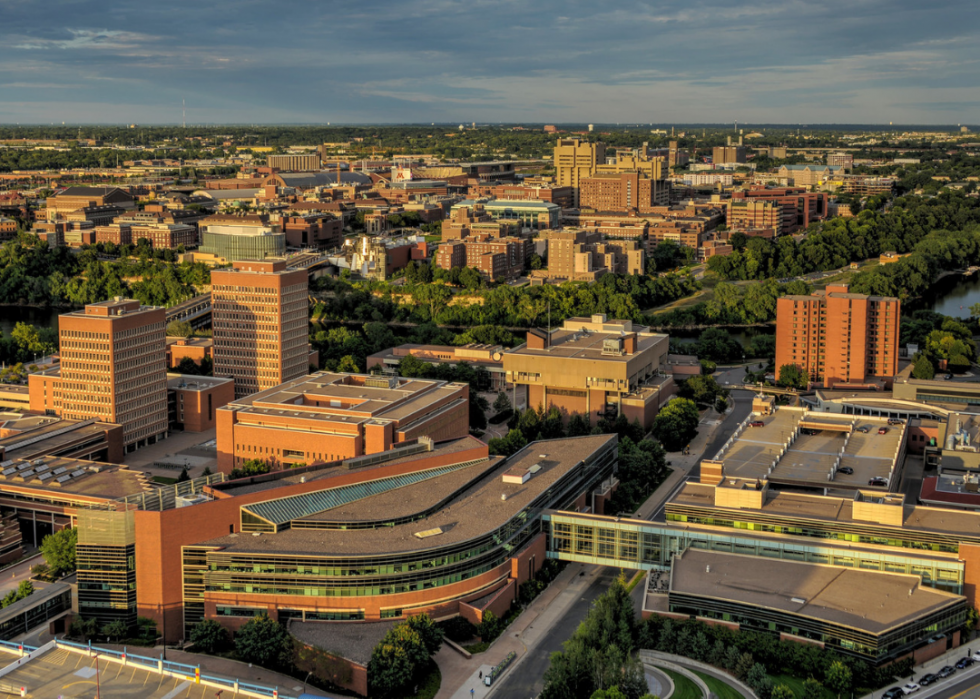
(533, 61)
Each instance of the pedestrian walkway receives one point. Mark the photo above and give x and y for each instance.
(460, 675)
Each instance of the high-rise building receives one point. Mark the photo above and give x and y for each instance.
(575, 160)
(727, 154)
(582, 255)
(295, 162)
(114, 368)
(838, 337)
(259, 315)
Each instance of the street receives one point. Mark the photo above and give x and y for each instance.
(528, 679)
(14, 575)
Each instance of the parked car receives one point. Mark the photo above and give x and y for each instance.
(976, 656)
(864, 429)
(910, 687)
(964, 663)
(878, 480)
(895, 421)
(882, 430)
(846, 470)
(948, 377)
(893, 693)
(928, 679)
(946, 671)
(757, 423)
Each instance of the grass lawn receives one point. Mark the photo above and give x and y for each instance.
(475, 648)
(164, 480)
(796, 684)
(720, 689)
(683, 687)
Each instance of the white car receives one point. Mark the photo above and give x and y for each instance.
(976, 656)
(910, 687)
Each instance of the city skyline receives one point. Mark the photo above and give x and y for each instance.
(430, 61)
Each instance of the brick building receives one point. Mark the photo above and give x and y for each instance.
(721, 155)
(259, 316)
(113, 369)
(758, 213)
(562, 196)
(625, 191)
(322, 231)
(838, 337)
(192, 401)
(164, 236)
(583, 255)
(76, 198)
(466, 221)
(338, 416)
(494, 258)
(575, 160)
(800, 207)
(294, 162)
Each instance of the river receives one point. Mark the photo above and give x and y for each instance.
(41, 317)
(953, 295)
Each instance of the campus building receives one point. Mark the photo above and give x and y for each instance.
(113, 369)
(294, 162)
(839, 338)
(583, 255)
(575, 160)
(799, 208)
(259, 318)
(594, 367)
(326, 417)
(489, 357)
(234, 237)
(500, 258)
(536, 215)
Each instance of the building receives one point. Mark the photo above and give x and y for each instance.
(30, 437)
(868, 186)
(259, 317)
(799, 207)
(294, 162)
(164, 236)
(844, 161)
(562, 196)
(113, 369)
(536, 215)
(376, 257)
(721, 155)
(321, 231)
(575, 160)
(758, 214)
(8, 228)
(489, 357)
(593, 367)
(193, 400)
(235, 237)
(839, 338)
(197, 349)
(325, 417)
(626, 191)
(808, 175)
(77, 198)
(867, 614)
(474, 220)
(500, 258)
(581, 255)
(677, 157)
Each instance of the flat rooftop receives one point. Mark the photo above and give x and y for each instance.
(354, 641)
(588, 345)
(478, 510)
(805, 446)
(277, 479)
(41, 434)
(961, 525)
(870, 601)
(192, 382)
(59, 477)
(351, 398)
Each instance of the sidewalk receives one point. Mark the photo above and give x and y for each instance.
(460, 675)
(950, 657)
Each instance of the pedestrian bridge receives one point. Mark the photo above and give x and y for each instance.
(637, 544)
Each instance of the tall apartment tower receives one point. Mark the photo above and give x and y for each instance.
(114, 368)
(839, 337)
(260, 320)
(575, 160)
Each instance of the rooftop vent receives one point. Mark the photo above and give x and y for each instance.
(798, 600)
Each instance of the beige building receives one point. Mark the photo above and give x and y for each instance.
(114, 368)
(294, 162)
(594, 367)
(582, 255)
(575, 160)
(259, 317)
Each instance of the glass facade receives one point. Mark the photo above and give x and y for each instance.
(234, 247)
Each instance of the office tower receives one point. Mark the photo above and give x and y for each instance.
(259, 315)
(114, 369)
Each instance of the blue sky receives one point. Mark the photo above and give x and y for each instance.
(853, 61)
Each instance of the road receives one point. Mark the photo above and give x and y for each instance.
(13, 576)
(528, 679)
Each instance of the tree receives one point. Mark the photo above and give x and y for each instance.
(781, 691)
(502, 403)
(251, 467)
(676, 424)
(923, 368)
(703, 390)
(578, 426)
(811, 689)
(208, 635)
(838, 678)
(264, 642)
(58, 550)
(396, 661)
(427, 630)
(792, 376)
(718, 345)
(179, 328)
(115, 630)
(188, 366)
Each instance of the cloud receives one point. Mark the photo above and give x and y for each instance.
(496, 60)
